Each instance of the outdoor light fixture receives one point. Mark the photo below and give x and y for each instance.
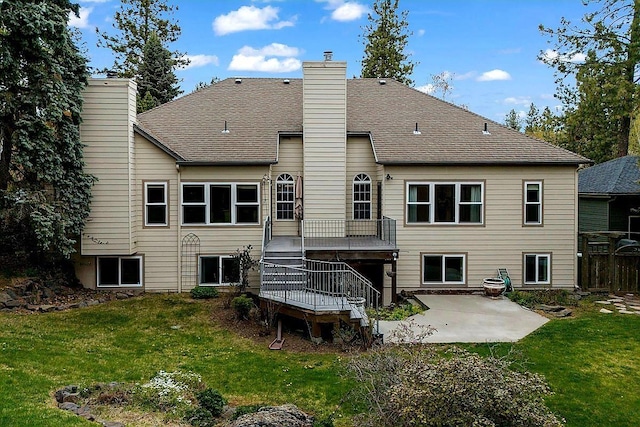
(389, 177)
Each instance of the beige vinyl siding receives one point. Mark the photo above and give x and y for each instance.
(225, 240)
(324, 123)
(107, 132)
(502, 240)
(289, 161)
(360, 160)
(158, 244)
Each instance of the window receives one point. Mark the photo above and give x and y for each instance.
(218, 270)
(445, 203)
(155, 204)
(532, 203)
(285, 194)
(362, 196)
(119, 271)
(537, 269)
(213, 203)
(443, 269)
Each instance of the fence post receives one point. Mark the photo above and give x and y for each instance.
(612, 263)
(586, 264)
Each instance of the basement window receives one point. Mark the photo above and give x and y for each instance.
(119, 271)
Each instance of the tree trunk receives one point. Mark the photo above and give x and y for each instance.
(5, 158)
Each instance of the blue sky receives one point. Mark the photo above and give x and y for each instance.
(489, 47)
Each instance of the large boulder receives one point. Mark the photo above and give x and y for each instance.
(275, 416)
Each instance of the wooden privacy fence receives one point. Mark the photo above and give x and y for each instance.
(607, 264)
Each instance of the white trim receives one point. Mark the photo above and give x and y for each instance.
(537, 256)
(220, 276)
(527, 202)
(444, 280)
(365, 180)
(233, 188)
(147, 203)
(432, 203)
(286, 182)
(120, 284)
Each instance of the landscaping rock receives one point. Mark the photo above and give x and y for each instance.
(4, 297)
(605, 311)
(121, 295)
(15, 303)
(626, 312)
(603, 302)
(550, 308)
(69, 406)
(275, 416)
(47, 308)
(565, 312)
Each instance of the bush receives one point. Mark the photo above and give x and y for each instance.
(531, 299)
(200, 417)
(211, 400)
(169, 391)
(415, 386)
(204, 292)
(400, 312)
(242, 305)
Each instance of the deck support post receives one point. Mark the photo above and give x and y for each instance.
(394, 278)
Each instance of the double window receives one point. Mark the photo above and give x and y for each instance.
(532, 203)
(120, 271)
(445, 203)
(362, 196)
(218, 270)
(155, 204)
(285, 197)
(220, 203)
(443, 269)
(537, 269)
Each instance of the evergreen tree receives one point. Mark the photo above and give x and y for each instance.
(532, 120)
(513, 120)
(385, 40)
(156, 80)
(44, 193)
(610, 39)
(134, 23)
(203, 85)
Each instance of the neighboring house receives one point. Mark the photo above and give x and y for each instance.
(609, 197)
(414, 193)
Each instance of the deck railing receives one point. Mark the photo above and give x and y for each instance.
(350, 233)
(318, 285)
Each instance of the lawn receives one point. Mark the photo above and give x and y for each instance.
(592, 362)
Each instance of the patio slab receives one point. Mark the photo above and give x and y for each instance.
(472, 318)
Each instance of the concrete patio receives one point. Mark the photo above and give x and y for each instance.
(472, 318)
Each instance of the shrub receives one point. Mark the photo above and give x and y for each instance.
(204, 292)
(415, 386)
(211, 400)
(242, 305)
(169, 391)
(200, 417)
(531, 299)
(400, 312)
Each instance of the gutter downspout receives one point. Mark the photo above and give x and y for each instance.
(178, 231)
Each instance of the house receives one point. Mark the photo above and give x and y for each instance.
(609, 197)
(357, 187)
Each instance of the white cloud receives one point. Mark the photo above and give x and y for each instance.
(465, 76)
(82, 21)
(517, 100)
(492, 75)
(242, 62)
(428, 88)
(547, 96)
(551, 55)
(200, 61)
(345, 11)
(251, 59)
(249, 18)
(421, 32)
(349, 11)
(274, 49)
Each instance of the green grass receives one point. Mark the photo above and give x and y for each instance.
(592, 362)
(129, 341)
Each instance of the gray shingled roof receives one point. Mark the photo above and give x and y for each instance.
(617, 176)
(258, 109)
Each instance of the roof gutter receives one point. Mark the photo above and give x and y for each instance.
(470, 163)
(227, 163)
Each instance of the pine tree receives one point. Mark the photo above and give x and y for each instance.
(609, 39)
(44, 192)
(385, 40)
(513, 120)
(532, 120)
(134, 23)
(156, 80)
